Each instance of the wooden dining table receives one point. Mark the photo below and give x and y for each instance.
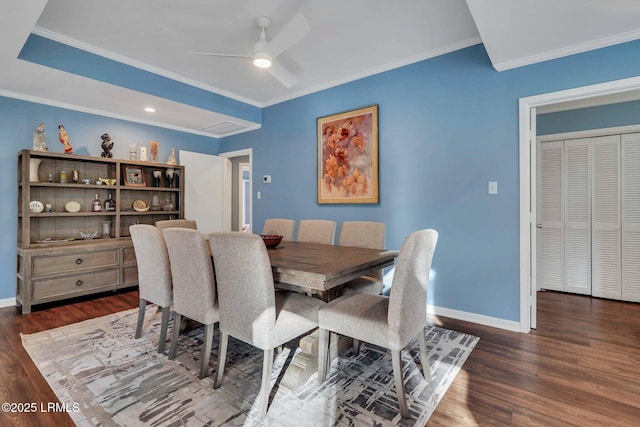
(319, 270)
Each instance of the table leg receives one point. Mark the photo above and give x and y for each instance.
(305, 363)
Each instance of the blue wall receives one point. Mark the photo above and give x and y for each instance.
(448, 126)
(18, 120)
(603, 116)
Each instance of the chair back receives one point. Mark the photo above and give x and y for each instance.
(317, 231)
(154, 272)
(246, 296)
(364, 234)
(178, 223)
(280, 226)
(194, 292)
(408, 299)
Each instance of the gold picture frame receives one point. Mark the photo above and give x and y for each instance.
(133, 176)
(348, 157)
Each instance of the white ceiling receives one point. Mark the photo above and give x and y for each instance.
(349, 39)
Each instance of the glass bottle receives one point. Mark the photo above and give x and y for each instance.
(109, 204)
(96, 205)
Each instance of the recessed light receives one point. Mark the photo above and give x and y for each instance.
(150, 110)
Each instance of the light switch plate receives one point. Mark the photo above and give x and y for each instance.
(493, 187)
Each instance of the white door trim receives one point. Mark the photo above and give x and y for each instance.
(528, 183)
(238, 153)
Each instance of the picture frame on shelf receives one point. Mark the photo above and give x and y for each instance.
(133, 176)
(348, 157)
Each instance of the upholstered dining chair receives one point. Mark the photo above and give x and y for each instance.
(390, 322)
(178, 223)
(364, 234)
(279, 226)
(194, 291)
(154, 276)
(250, 309)
(317, 231)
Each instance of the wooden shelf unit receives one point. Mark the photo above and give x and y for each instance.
(62, 269)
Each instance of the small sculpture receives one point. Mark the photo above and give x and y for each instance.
(153, 147)
(172, 158)
(107, 145)
(40, 139)
(133, 151)
(64, 139)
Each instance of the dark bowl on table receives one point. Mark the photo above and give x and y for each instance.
(271, 240)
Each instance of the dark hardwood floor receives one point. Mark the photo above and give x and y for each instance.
(580, 367)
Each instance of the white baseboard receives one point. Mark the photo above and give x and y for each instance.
(7, 302)
(480, 319)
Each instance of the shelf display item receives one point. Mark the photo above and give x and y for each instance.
(107, 145)
(64, 140)
(109, 205)
(34, 166)
(36, 206)
(40, 138)
(72, 207)
(106, 229)
(140, 205)
(96, 205)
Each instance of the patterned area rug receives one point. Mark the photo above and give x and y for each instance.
(99, 368)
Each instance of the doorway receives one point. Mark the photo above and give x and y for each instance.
(241, 189)
(528, 181)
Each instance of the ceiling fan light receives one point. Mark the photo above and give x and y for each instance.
(261, 60)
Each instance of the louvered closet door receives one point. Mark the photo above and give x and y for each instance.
(551, 236)
(631, 217)
(577, 231)
(605, 232)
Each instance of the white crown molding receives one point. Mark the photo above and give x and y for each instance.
(137, 64)
(570, 50)
(67, 106)
(377, 70)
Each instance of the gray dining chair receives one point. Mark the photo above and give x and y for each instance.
(280, 226)
(364, 234)
(250, 309)
(390, 322)
(177, 223)
(194, 291)
(154, 276)
(317, 231)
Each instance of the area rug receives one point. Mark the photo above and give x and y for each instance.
(106, 377)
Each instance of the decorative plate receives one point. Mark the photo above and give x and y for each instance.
(36, 206)
(55, 239)
(72, 206)
(140, 205)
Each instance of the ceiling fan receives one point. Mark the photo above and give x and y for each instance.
(264, 52)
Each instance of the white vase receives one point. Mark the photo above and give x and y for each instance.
(34, 164)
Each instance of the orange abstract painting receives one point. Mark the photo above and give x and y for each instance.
(348, 157)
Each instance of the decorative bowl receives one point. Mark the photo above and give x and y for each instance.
(108, 181)
(271, 240)
(88, 235)
(87, 181)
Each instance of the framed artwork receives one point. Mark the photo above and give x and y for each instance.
(133, 176)
(348, 157)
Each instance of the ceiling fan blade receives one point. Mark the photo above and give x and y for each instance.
(292, 33)
(282, 75)
(230, 55)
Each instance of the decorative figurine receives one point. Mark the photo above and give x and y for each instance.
(153, 147)
(143, 154)
(40, 139)
(107, 145)
(172, 158)
(64, 139)
(133, 151)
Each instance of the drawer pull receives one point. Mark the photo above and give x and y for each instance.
(79, 283)
(79, 261)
